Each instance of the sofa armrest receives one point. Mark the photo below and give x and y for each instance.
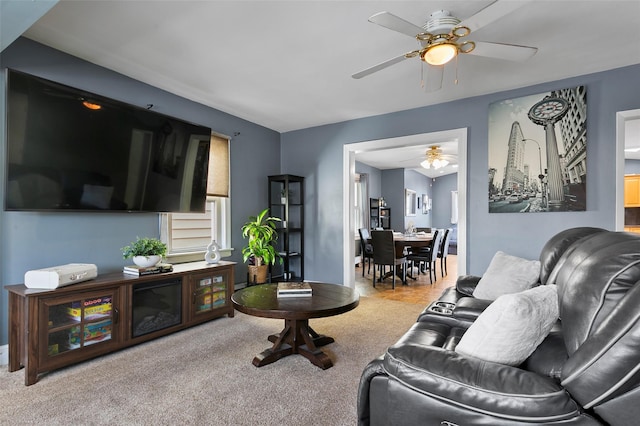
(372, 370)
(469, 308)
(466, 284)
(499, 390)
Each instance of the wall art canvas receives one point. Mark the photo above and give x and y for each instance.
(538, 152)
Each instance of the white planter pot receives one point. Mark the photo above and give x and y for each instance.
(146, 261)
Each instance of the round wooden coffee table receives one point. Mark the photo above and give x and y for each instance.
(297, 337)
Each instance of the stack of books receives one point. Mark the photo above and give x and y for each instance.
(294, 289)
(149, 270)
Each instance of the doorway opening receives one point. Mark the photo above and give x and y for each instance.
(348, 158)
(622, 118)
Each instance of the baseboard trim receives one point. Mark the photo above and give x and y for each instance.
(4, 355)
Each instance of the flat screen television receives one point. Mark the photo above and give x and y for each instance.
(71, 150)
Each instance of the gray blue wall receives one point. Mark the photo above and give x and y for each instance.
(422, 185)
(38, 240)
(393, 193)
(442, 187)
(631, 167)
(317, 153)
(375, 179)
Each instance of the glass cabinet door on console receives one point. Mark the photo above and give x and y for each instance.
(209, 293)
(76, 323)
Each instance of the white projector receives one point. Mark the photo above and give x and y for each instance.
(59, 276)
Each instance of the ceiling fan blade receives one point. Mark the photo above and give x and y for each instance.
(508, 52)
(392, 22)
(380, 66)
(434, 78)
(493, 12)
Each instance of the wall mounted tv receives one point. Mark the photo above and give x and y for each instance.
(71, 150)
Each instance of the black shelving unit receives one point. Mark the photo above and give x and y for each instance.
(286, 201)
(379, 215)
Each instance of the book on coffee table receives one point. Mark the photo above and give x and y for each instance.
(294, 289)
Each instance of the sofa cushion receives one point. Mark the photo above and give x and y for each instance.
(512, 327)
(507, 274)
(550, 356)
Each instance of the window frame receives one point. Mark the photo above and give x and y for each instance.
(222, 237)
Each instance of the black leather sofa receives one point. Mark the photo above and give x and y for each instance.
(585, 372)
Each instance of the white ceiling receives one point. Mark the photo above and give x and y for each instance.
(287, 65)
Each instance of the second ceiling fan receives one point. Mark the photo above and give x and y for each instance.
(441, 37)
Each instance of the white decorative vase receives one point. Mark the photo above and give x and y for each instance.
(213, 252)
(146, 261)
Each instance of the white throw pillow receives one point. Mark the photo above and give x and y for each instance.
(512, 327)
(507, 274)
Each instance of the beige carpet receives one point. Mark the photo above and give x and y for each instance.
(204, 376)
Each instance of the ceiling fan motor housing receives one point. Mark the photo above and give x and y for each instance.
(441, 22)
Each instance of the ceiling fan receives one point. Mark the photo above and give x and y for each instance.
(435, 158)
(441, 37)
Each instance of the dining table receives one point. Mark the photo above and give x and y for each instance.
(405, 242)
(416, 240)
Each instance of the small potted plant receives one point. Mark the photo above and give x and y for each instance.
(284, 195)
(260, 251)
(145, 251)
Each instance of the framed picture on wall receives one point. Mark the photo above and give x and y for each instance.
(410, 202)
(426, 204)
(538, 152)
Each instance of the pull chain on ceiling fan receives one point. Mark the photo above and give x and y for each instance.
(440, 42)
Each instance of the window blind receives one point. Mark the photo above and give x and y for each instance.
(218, 177)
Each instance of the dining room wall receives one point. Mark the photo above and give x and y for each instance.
(441, 210)
(393, 194)
(421, 185)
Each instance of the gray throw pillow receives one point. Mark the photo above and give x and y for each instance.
(507, 274)
(512, 327)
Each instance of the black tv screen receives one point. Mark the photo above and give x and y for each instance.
(68, 149)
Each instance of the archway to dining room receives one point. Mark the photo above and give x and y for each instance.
(349, 158)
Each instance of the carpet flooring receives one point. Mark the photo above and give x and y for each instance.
(204, 376)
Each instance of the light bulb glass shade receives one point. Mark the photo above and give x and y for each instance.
(438, 163)
(440, 54)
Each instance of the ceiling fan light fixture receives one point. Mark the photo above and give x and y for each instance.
(440, 54)
(434, 159)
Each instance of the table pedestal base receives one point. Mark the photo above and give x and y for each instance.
(296, 338)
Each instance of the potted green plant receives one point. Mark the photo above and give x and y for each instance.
(145, 251)
(260, 250)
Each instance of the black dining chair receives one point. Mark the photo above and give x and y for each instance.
(444, 251)
(384, 253)
(366, 249)
(428, 257)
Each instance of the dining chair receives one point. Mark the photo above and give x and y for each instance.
(427, 258)
(366, 249)
(384, 253)
(444, 251)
